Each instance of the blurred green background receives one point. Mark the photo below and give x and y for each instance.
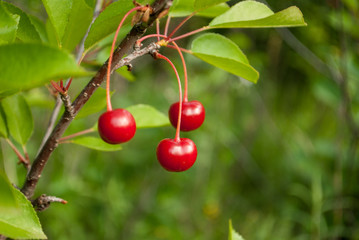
(278, 157)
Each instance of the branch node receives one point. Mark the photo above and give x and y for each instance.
(67, 103)
(43, 202)
(129, 67)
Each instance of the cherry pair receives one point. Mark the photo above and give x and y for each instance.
(179, 155)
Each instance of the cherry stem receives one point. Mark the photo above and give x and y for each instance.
(180, 25)
(189, 34)
(90, 130)
(158, 29)
(182, 49)
(167, 25)
(177, 137)
(108, 95)
(138, 42)
(185, 96)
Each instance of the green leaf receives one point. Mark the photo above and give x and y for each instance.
(26, 31)
(221, 52)
(40, 28)
(96, 144)
(28, 65)
(182, 8)
(203, 4)
(79, 20)
(70, 20)
(95, 104)
(214, 11)
(7, 199)
(18, 219)
(18, 117)
(107, 22)
(59, 12)
(3, 127)
(2, 167)
(147, 116)
(126, 74)
(8, 24)
(51, 34)
(252, 14)
(233, 235)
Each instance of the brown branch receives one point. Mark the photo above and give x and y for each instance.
(67, 104)
(52, 142)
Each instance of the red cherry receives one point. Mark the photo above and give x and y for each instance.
(116, 126)
(176, 156)
(192, 117)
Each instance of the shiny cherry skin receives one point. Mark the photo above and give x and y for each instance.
(193, 115)
(176, 156)
(116, 126)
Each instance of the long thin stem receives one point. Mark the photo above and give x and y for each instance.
(189, 34)
(182, 49)
(158, 29)
(21, 158)
(149, 36)
(167, 25)
(90, 130)
(180, 24)
(177, 137)
(108, 95)
(185, 95)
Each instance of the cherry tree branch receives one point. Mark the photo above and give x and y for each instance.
(125, 46)
(79, 56)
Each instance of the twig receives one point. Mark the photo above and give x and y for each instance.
(79, 57)
(25, 161)
(304, 52)
(52, 142)
(90, 130)
(126, 61)
(43, 202)
(80, 51)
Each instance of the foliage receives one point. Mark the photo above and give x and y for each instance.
(278, 157)
(17, 217)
